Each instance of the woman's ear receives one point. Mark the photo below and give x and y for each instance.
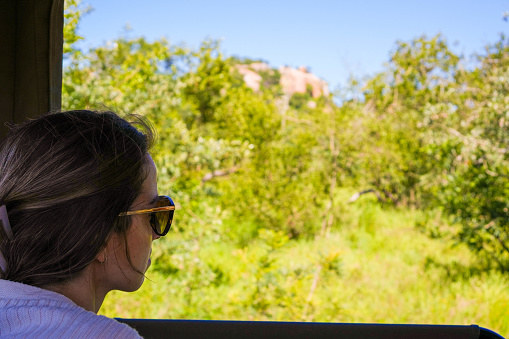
(102, 257)
(114, 243)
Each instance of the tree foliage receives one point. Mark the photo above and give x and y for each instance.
(262, 179)
(427, 132)
(445, 135)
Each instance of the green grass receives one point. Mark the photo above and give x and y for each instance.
(374, 267)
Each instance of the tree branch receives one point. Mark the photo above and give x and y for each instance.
(357, 195)
(218, 173)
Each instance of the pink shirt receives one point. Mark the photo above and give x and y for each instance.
(28, 311)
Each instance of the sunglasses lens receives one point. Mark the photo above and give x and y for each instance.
(161, 221)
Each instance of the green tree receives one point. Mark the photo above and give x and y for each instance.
(474, 130)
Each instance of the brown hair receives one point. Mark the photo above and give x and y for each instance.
(64, 179)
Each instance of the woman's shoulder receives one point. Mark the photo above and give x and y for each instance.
(35, 312)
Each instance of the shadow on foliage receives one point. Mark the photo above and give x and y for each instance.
(455, 271)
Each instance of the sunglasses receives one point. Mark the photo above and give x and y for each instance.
(160, 216)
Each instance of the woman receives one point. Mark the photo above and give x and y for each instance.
(79, 209)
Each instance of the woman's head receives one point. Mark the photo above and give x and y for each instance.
(64, 179)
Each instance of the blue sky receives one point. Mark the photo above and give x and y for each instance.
(333, 38)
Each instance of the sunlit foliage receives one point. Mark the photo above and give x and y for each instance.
(265, 227)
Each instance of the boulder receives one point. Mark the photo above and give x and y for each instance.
(297, 81)
(293, 80)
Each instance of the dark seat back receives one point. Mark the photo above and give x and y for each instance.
(150, 328)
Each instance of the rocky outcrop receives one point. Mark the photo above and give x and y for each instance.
(292, 80)
(298, 80)
(259, 67)
(251, 78)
